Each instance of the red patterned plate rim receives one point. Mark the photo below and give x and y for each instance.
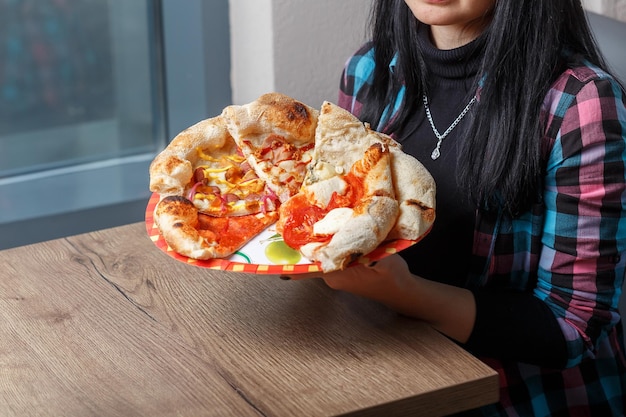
(250, 258)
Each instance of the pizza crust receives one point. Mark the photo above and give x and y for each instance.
(415, 194)
(272, 113)
(177, 219)
(355, 232)
(172, 169)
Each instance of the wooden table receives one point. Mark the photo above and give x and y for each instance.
(104, 324)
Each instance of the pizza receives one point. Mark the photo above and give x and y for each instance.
(415, 192)
(334, 188)
(212, 200)
(276, 135)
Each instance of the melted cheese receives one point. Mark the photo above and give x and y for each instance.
(333, 221)
(324, 190)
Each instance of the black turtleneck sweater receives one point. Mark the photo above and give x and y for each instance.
(508, 324)
(446, 250)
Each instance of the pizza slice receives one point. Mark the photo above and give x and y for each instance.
(204, 164)
(414, 187)
(276, 134)
(211, 200)
(200, 236)
(346, 206)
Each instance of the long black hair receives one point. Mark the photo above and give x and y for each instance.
(499, 161)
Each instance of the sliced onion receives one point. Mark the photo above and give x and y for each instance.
(223, 204)
(268, 203)
(213, 189)
(192, 191)
(271, 193)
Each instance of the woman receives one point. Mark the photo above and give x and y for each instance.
(510, 106)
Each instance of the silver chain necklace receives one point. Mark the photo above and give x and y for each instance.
(440, 137)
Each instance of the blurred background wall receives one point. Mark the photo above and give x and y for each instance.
(611, 8)
(296, 47)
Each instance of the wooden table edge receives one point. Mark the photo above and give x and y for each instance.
(475, 394)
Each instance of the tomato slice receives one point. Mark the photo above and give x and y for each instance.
(298, 228)
(354, 192)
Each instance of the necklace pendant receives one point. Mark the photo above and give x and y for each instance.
(436, 153)
(440, 137)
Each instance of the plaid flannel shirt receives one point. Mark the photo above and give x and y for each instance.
(569, 249)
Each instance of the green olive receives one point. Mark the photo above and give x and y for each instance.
(279, 253)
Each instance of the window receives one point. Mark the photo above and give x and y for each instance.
(90, 91)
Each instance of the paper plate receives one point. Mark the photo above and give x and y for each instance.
(267, 253)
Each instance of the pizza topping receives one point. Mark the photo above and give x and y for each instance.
(305, 223)
(353, 193)
(229, 185)
(297, 229)
(231, 232)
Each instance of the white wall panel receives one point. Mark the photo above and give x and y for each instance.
(296, 47)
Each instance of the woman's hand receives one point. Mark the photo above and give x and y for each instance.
(449, 309)
(378, 280)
